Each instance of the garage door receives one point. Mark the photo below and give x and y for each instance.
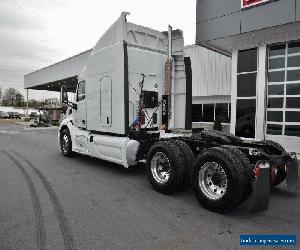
(283, 95)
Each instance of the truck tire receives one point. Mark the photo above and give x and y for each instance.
(219, 179)
(66, 143)
(165, 167)
(248, 170)
(188, 159)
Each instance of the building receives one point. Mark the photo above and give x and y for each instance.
(262, 37)
(211, 87)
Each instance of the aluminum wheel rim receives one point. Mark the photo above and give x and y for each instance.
(160, 167)
(65, 143)
(212, 180)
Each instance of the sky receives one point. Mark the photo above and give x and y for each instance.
(37, 33)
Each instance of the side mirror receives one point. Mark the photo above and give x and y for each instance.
(64, 95)
(65, 99)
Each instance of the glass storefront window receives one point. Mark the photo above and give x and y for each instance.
(277, 50)
(247, 61)
(246, 85)
(293, 61)
(208, 112)
(292, 116)
(274, 103)
(293, 75)
(275, 116)
(292, 130)
(222, 112)
(197, 112)
(294, 47)
(293, 102)
(277, 63)
(274, 129)
(246, 93)
(276, 76)
(293, 89)
(276, 89)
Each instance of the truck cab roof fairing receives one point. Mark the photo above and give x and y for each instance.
(134, 35)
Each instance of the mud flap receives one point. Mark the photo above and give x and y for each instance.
(292, 175)
(258, 201)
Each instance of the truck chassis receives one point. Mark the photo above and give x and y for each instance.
(220, 167)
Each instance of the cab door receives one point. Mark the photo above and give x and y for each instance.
(79, 114)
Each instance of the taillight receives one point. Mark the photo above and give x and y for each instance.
(256, 171)
(258, 168)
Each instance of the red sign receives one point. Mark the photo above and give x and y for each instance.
(250, 3)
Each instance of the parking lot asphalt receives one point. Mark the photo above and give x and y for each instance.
(48, 201)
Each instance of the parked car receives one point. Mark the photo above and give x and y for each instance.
(33, 115)
(14, 115)
(4, 115)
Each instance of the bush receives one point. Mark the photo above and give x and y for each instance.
(55, 123)
(217, 124)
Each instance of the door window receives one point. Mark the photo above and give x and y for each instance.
(245, 118)
(246, 93)
(246, 85)
(80, 91)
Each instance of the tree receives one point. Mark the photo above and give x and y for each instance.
(218, 124)
(10, 97)
(52, 102)
(33, 103)
(20, 102)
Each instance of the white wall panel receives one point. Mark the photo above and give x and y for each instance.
(211, 72)
(211, 99)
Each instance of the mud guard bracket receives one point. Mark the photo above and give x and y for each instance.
(292, 175)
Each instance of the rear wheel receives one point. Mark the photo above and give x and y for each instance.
(188, 160)
(248, 170)
(66, 142)
(218, 179)
(212, 180)
(165, 167)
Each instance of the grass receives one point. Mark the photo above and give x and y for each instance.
(8, 121)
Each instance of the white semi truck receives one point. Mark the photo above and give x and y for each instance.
(133, 105)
